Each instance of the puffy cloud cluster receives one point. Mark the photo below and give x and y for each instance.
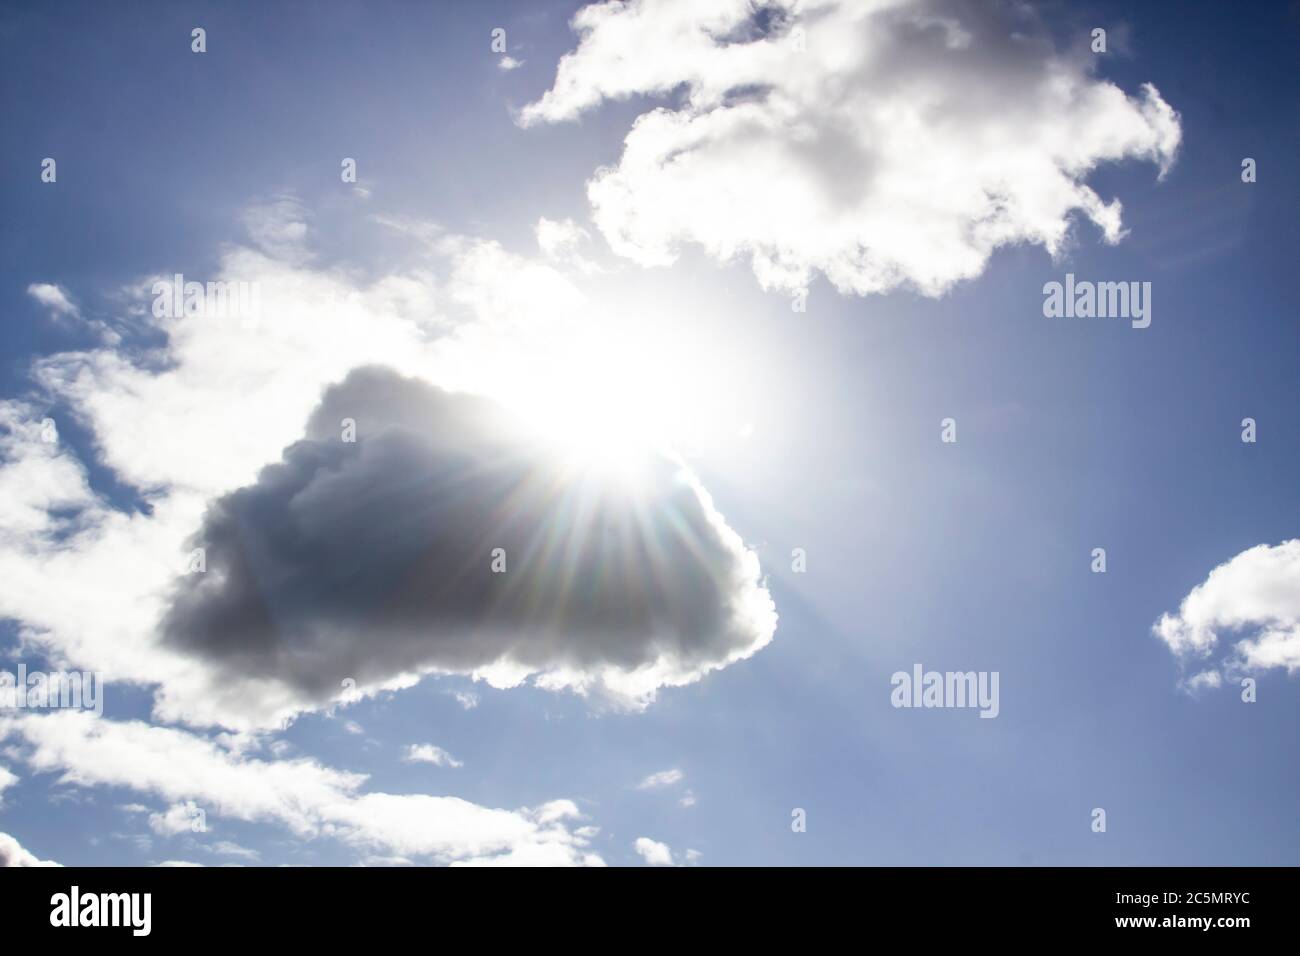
(1244, 617)
(209, 428)
(189, 425)
(882, 143)
(328, 560)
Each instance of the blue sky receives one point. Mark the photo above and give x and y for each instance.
(1073, 434)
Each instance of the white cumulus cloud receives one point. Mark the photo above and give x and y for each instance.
(1243, 618)
(882, 143)
(653, 852)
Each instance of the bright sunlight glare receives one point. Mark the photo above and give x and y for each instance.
(609, 402)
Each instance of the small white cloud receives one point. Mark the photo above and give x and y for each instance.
(687, 800)
(428, 753)
(54, 298)
(508, 63)
(352, 727)
(1244, 617)
(179, 818)
(664, 778)
(654, 852)
(466, 698)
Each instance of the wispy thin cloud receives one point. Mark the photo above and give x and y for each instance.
(664, 778)
(430, 753)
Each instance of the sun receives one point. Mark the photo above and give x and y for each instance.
(600, 425)
(610, 389)
(605, 446)
(605, 408)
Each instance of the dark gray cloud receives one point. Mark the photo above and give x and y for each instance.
(373, 559)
